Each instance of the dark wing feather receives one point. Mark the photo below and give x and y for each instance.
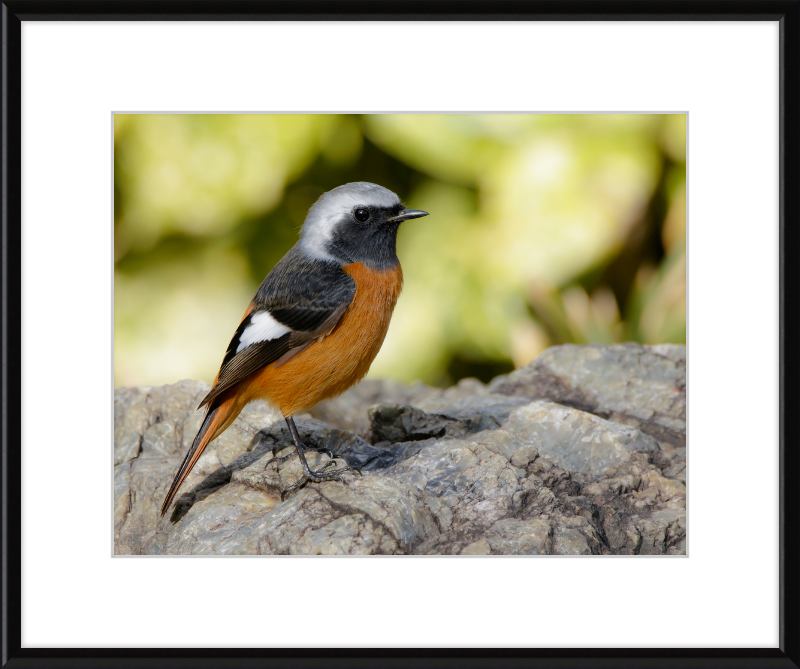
(299, 318)
(306, 295)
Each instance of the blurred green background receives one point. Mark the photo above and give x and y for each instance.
(543, 229)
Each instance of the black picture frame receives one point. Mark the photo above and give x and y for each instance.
(787, 12)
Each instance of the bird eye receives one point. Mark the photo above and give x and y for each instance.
(361, 214)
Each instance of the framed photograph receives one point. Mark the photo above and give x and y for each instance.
(133, 240)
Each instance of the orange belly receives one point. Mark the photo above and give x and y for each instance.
(332, 365)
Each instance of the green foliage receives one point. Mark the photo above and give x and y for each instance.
(544, 229)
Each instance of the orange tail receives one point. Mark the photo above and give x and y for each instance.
(220, 415)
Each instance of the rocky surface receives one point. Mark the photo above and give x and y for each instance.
(582, 452)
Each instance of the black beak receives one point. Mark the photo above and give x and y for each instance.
(407, 214)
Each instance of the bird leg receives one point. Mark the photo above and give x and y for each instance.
(308, 475)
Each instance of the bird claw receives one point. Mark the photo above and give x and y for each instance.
(327, 465)
(319, 476)
(279, 460)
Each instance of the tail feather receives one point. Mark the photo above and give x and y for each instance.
(217, 419)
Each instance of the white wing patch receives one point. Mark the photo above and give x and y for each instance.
(263, 327)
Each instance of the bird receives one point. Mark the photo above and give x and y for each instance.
(316, 322)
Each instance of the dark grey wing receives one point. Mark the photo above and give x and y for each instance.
(301, 300)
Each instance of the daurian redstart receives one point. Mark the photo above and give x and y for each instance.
(317, 321)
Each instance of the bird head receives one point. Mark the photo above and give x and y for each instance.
(356, 222)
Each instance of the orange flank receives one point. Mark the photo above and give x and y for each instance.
(331, 364)
(337, 361)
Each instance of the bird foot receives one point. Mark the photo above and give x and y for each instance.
(319, 476)
(280, 461)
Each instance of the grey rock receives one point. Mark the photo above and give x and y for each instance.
(399, 422)
(479, 547)
(571, 541)
(475, 481)
(161, 439)
(130, 422)
(400, 431)
(348, 411)
(471, 470)
(373, 515)
(221, 522)
(642, 386)
(127, 447)
(519, 537)
(577, 440)
(479, 412)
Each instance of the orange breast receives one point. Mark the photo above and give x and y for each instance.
(332, 365)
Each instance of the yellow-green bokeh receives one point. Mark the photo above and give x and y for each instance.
(544, 229)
